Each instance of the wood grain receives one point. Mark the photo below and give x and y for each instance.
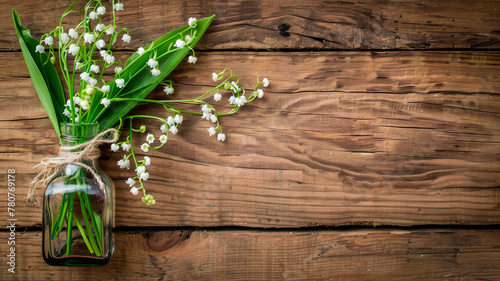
(384, 138)
(282, 25)
(435, 254)
(379, 113)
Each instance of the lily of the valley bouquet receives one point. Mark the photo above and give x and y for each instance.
(101, 91)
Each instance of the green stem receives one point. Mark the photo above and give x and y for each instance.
(82, 231)
(229, 112)
(62, 54)
(94, 217)
(132, 151)
(58, 225)
(157, 101)
(60, 219)
(85, 206)
(86, 222)
(114, 15)
(143, 116)
(69, 224)
(131, 143)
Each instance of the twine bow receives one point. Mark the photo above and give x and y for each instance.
(69, 155)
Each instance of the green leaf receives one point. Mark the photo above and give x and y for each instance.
(43, 74)
(95, 103)
(137, 75)
(98, 228)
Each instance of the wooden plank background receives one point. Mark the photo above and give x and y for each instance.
(430, 254)
(380, 114)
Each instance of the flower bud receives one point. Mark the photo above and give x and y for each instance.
(84, 104)
(52, 59)
(134, 190)
(148, 199)
(142, 129)
(90, 90)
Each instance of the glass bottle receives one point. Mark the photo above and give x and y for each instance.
(74, 195)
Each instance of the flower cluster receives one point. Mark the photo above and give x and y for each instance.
(229, 85)
(81, 42)
(141, 173)
(89, 45)
(237, 98)
(93, 95)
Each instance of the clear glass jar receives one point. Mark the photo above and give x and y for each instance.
(74, 195)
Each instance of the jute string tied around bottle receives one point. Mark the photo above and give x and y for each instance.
(69, 155)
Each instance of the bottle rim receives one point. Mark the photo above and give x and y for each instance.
(79, 132)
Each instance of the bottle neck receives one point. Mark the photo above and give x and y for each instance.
(89, 159)
(76, 134)
(72, 141)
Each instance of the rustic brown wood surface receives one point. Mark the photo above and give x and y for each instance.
(380, 140)
(393, 120)
(430, 254)
(292, 24)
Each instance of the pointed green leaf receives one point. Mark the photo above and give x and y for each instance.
(43, 75)
(137, 75)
